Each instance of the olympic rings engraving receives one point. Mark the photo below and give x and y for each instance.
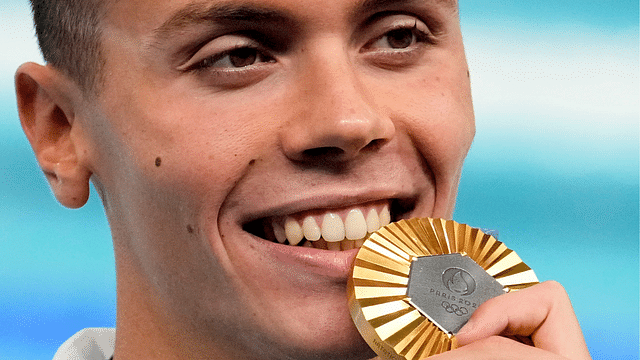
(455, 309)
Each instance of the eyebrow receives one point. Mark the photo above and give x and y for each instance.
(367, 6)
(226, 13)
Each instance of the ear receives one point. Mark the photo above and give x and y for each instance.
(46, 101)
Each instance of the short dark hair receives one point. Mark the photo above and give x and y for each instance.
(69, 34)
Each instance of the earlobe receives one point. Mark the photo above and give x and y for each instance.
(45, 106)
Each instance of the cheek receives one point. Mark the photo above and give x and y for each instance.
(175, 137)
(172, 154)
(437, 113)
(188, 148)
(166, 167)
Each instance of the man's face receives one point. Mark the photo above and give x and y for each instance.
(223, 125)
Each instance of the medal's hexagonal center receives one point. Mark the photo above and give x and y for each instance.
(447, 289)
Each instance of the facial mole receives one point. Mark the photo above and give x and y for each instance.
(253, 161)
(189, 229)
(158, 162)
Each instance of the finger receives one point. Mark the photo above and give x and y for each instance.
(542, 312)
(497, 348)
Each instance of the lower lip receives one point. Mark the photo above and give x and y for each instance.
(331, 264)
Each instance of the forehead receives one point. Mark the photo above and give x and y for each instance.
(169, 15)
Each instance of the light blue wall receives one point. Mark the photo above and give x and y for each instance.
(554, 168)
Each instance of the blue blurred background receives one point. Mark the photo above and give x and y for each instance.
(554, 168)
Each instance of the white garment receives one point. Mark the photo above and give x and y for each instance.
(88, 344)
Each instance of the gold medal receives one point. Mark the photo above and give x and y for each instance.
(416, 282)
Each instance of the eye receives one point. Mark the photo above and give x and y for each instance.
(397, 39)
(402, 35)
(230, 61)
(401, 41)
(237, 58)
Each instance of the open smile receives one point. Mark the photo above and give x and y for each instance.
(333, 229)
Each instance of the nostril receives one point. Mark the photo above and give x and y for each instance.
(323, 152)
(375, 144)
(338, 153)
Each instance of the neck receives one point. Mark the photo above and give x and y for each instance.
(147, 328)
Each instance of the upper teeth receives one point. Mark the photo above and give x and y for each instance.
(332, 228)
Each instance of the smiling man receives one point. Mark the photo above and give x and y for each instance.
(243, 149)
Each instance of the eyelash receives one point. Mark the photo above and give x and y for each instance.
(209, 62)
(425, 37)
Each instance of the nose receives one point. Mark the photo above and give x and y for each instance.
(336, 118)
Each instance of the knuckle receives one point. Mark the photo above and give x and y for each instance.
(555, 290)
(554, 287)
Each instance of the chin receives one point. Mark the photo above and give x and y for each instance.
(339, 346)
(320, 331)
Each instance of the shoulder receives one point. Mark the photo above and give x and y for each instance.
(88, 344)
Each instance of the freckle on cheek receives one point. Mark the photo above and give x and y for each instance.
(158, 162)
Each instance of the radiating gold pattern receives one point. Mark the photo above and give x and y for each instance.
(378, 286)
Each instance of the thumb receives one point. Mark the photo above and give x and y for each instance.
(541, 313)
